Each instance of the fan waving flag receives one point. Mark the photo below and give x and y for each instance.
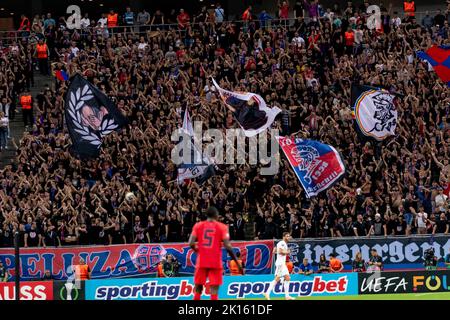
(439, 58)
(61, 75)
(196, 167)
(317, 165)
(249, 109)
(90, 115)
(374, 111)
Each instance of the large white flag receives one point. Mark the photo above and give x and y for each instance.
(193, 169)
(249, 109)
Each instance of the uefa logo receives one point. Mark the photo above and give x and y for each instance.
(67, 290)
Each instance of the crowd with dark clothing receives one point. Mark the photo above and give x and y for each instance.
(396, 187)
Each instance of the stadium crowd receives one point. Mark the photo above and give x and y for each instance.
(152, 72)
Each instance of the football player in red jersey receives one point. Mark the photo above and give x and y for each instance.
(209, 236)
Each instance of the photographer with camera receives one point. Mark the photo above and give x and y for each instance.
(375, 262)
(170, 266)
(430, 259)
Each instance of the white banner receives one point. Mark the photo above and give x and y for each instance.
(191, 170)
(251, 121)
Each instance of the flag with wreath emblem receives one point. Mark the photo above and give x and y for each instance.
(90, 116)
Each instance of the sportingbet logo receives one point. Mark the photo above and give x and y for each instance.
(147, 291)
(317, 286)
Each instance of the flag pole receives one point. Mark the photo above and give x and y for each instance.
(132, 226)
(17, 264)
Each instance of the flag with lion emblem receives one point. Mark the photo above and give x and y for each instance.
(374, 111)
(90, 115)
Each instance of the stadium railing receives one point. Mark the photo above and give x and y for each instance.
(10, 36)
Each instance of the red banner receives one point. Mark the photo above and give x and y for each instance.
(128, 260)
(35, 290)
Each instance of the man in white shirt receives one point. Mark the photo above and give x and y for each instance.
(142, 44)
(281, 270)
(74, 49)
(103, 21)
(5, 107)
(359, 34)
(329, 15)
(298, 41)
(396, 21)
(209, 90)
(85, 22)
(421, 221)
(4, 123)
(440, 199)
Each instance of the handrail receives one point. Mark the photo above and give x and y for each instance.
(326, 239)
(390, 237)
(172, 26)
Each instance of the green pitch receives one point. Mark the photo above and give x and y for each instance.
(402, 296)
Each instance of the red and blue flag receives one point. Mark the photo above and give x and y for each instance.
(317, 165)
(61, 75)
(439, 58)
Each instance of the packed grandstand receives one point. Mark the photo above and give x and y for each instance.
(153, 67)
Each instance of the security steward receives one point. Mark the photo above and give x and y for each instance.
(82, 270)
(234, 268)
(112, 20)
(410, 8)
(42, 53)
(26, 102)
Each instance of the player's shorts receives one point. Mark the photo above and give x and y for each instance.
(281, 271)
(214, 275)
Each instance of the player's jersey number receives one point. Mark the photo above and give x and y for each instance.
(208, 237)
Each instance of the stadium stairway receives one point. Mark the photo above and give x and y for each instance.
(16, 126)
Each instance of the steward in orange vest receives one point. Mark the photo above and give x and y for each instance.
(234, 268)
(409, 8)
(349, 40)
(41, 53)
(160, 272)
(82, 271)
(26, 101)
(112, 19)
(247, 15)
(24, 23)
(289, 264)
(335, 264)
(349, 37)
(42, 50)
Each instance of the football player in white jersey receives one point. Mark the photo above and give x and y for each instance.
(281, 270)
